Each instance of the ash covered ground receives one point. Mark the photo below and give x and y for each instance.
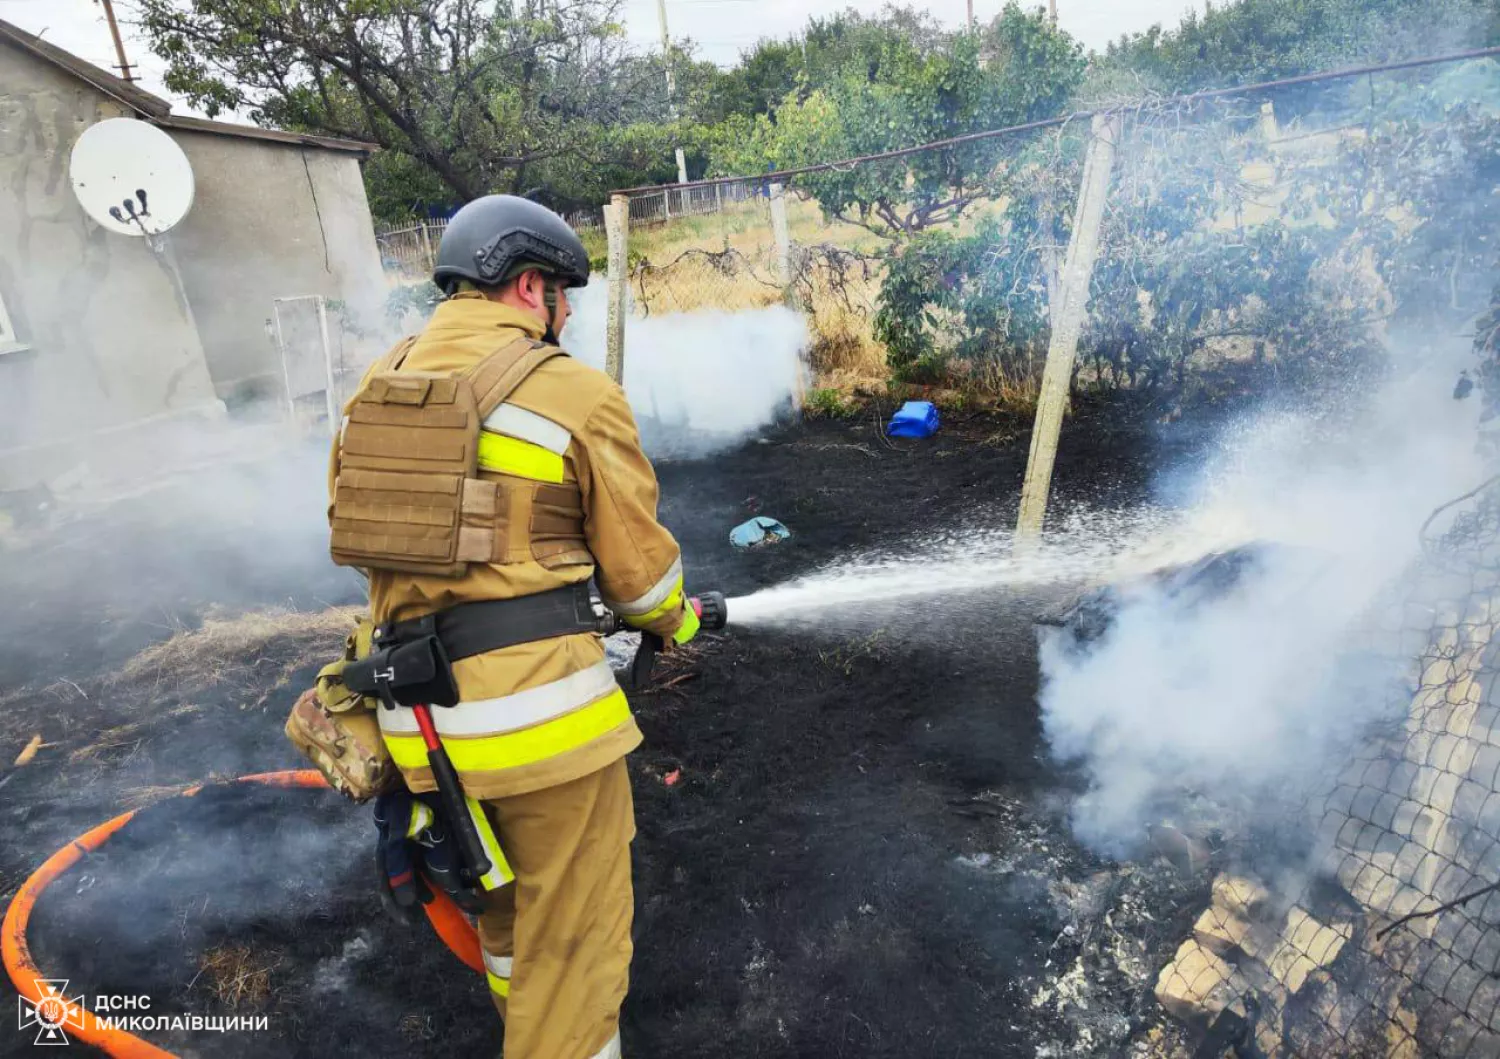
(865, 854)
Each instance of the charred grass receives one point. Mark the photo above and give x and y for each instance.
(864, 850)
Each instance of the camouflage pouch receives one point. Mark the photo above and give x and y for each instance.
(336, 729)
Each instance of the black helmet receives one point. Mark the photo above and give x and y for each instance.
(493, 238)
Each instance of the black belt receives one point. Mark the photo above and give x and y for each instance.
(470, 629)
(410, 661)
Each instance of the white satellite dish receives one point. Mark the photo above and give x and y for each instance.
(131, 177)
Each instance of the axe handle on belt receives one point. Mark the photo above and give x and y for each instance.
(451, 794)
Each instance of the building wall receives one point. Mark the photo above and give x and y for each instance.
(271, 221)
(109, 329)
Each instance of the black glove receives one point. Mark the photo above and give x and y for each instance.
(414, 853)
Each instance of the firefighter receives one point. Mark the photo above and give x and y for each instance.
(481, 478)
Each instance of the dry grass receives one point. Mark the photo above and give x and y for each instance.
(688, 274)
(222, 650)
(127, 738)
(743, 226)
(418, 1027)
(141, 797)
(238, 976)
(727, 262)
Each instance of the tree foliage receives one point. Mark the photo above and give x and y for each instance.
(465, 96)
(898, 89)
(1250, 41)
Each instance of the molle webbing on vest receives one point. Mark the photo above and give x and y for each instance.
(408, 496)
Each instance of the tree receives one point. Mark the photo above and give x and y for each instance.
(465, 96)
(898, 87)
(1249, 41)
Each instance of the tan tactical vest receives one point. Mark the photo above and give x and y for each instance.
(408, 495)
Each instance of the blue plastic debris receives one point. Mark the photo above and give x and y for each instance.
(916, 419)
(758, 531)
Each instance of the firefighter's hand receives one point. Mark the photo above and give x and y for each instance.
(399, 817)
(416, 853)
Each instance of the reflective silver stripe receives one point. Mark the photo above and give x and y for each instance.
(509, 713)
(499, 966)
(652, 599)
(611, 1049)
(516, 422)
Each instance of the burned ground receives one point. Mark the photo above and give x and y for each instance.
(865, 853)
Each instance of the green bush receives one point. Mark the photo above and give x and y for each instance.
(828, 403)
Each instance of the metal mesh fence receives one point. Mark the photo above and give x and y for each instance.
(947, 261)
(1367, 921)
(715, 248)
(1271, 238)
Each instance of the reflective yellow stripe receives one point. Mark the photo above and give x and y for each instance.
(500, 872)
(521, 458)
(421, 819)
(513, 749)
(497, 970)
(689, 627)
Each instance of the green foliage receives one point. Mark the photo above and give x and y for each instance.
(828, 404)
(979, 297)
(898, 88)
(464, 98)
(418, 298)
(1260, 40)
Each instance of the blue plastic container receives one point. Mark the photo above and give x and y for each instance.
(916, 419)
(758, 531)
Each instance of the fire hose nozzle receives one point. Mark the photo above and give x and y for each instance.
(712, 611)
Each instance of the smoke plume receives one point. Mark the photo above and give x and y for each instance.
(699, 382)
(1250, 690)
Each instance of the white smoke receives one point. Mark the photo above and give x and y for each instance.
(699, 382)
(1250, 691)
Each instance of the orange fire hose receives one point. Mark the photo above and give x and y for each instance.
(446, 918)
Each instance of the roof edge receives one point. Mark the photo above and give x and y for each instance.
(118, 89)
(159, 111)
(256, 132)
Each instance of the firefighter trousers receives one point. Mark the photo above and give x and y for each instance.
(557, 940)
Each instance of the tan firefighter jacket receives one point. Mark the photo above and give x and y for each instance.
(547, 712)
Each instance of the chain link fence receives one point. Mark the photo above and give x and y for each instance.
(1366, 921)
(1276, 240)
(716, 247)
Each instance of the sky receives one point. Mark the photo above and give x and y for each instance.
(721, 28)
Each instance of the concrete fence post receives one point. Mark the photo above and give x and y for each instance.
(427, 253)
(617, 225)
(783, 242)
(1067, 317)
(784, 274)
(1270, 131)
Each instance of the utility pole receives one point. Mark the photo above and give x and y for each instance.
(1052, 10)
(971, 16)
(114, 31)
(666, 58)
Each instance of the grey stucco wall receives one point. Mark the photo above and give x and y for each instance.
(110, 330)
(270, 221)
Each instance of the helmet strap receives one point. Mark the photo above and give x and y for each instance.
(549, 299)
